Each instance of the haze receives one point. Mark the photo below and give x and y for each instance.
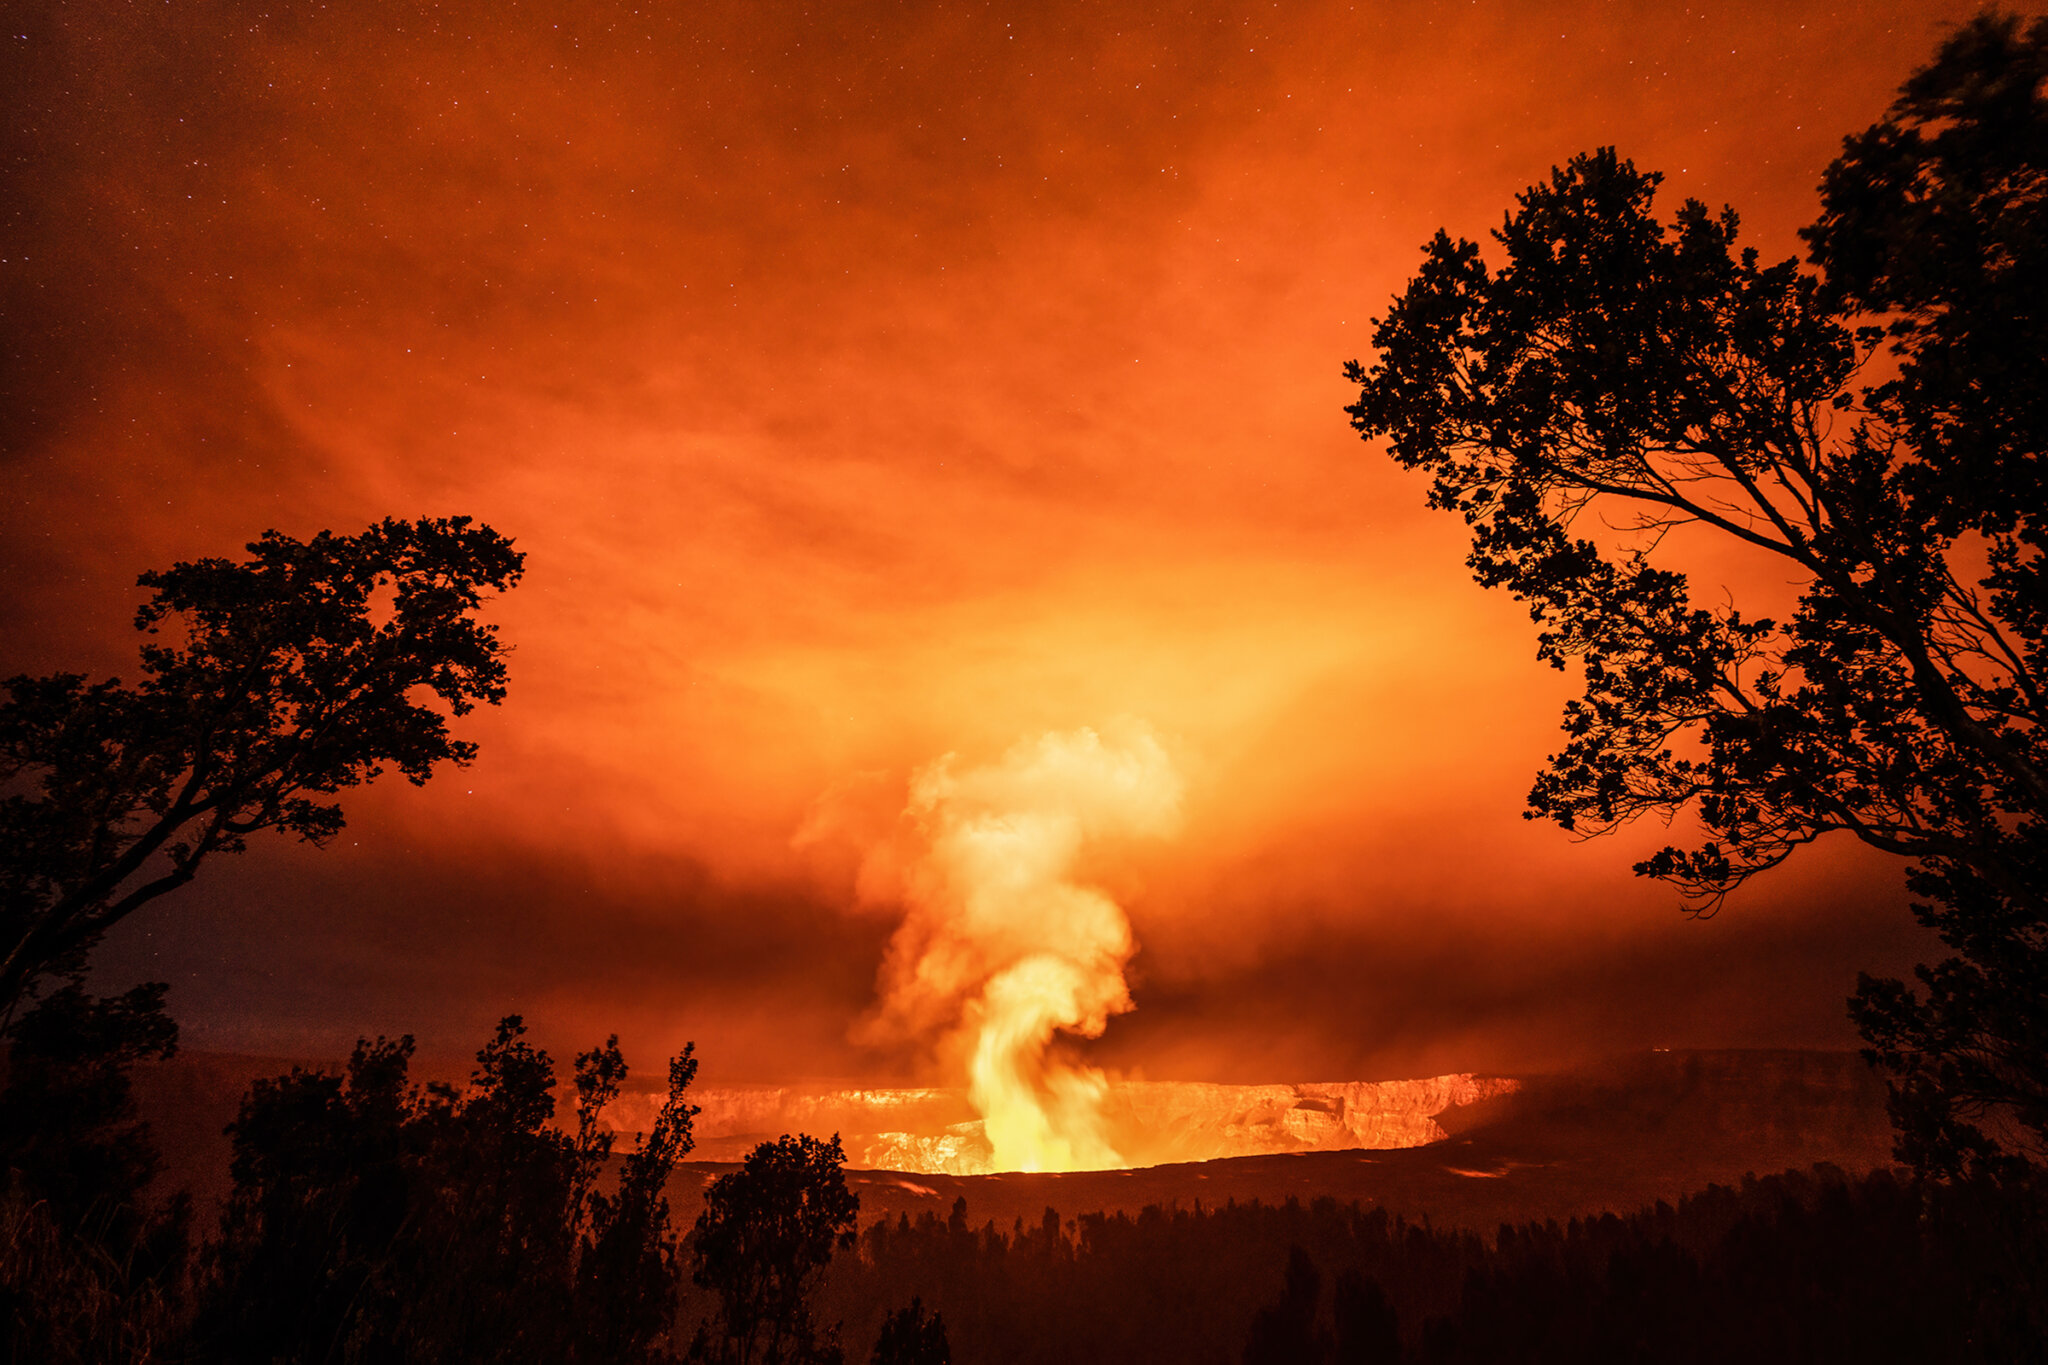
(866, 388)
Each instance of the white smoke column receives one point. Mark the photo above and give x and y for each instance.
(1002, 950)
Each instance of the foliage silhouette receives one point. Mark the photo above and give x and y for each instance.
(767, 1232)
(1618, 379)
(1368, 1330)
(89, 1269)
(1797, 1267)
(283, 679)
(372, 1220)
(69, 1300)
(67, 1118)
(1286, 1331)
(910, 1337)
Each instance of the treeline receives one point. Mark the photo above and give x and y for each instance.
(1810, 1266)
(373, 1219)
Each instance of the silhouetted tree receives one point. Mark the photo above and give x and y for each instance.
(1937, 219)
(371, 1220)
(1368, 1328)
(1618, 378)
(765, 1236)
(89, 1268)
(909, 1337)
(67, 1117)
(629, 1262)
(274, 683)
(268, 686)
(1286, 1332)
(324, 1174)
(1804, 1266)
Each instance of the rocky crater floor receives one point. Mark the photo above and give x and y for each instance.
(936, 1132)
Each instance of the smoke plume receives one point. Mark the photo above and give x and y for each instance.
(1003, 949)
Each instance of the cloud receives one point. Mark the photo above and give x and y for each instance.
(864, 386)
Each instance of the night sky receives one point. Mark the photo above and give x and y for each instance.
(867, 384)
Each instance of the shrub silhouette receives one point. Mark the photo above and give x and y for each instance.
(373, 1220)
(1613, 377)
(765, 1236)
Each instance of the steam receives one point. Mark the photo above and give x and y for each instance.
(1002, 949)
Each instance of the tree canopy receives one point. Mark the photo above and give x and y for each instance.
(267, 686)
(767, 1232)
(1872, 426)
(373, 1220)
(910, 1337)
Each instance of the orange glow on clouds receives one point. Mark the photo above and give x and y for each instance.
(867, 384)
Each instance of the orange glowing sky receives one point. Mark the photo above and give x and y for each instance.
(866, 383)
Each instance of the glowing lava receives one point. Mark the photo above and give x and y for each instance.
(1148, 1123)
(1002, 950)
